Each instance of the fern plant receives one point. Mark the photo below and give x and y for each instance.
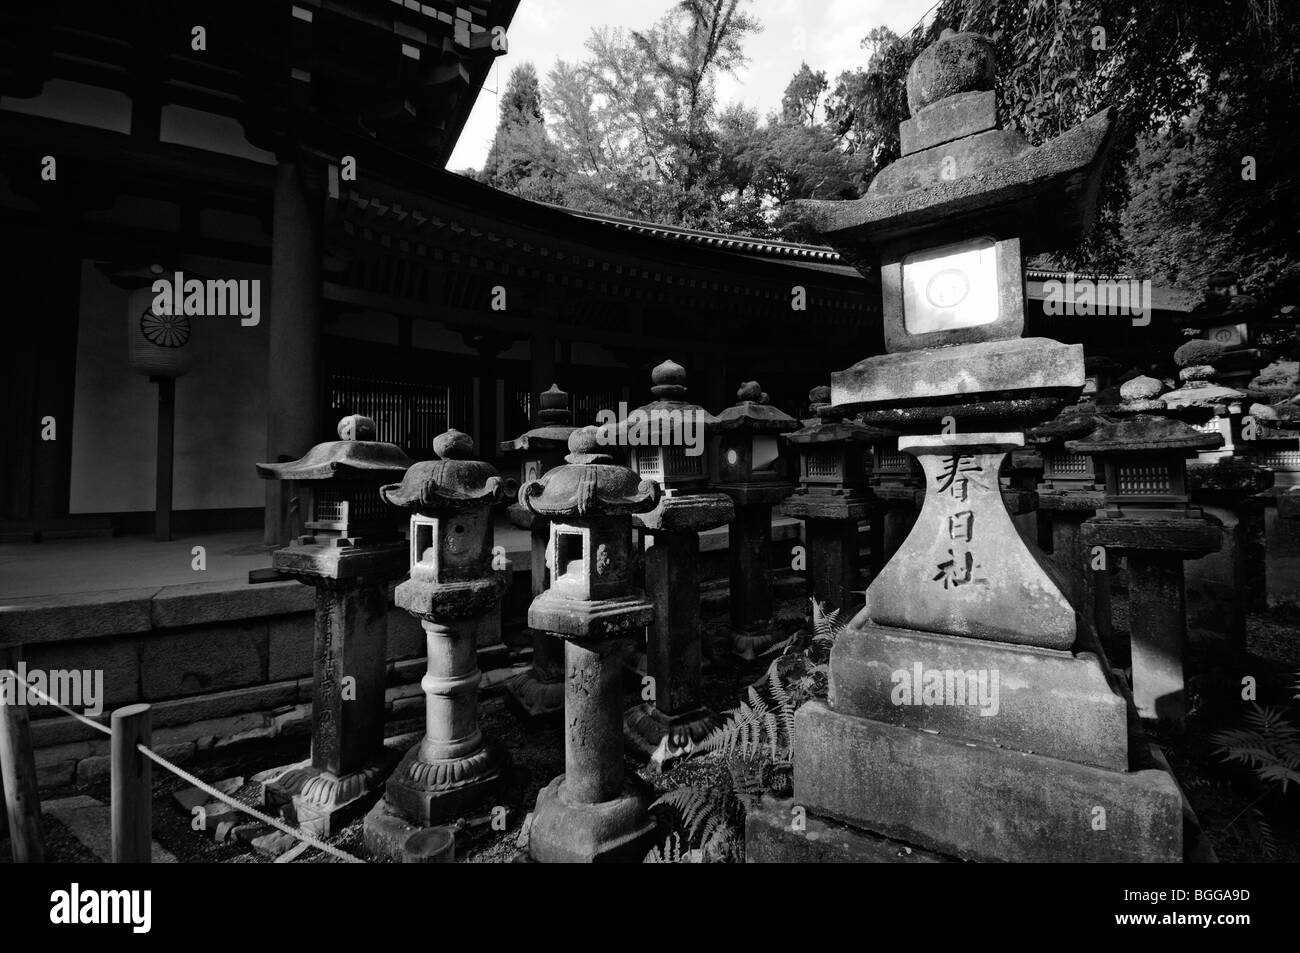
(671, 852)
(1268, 744)
(753, 748)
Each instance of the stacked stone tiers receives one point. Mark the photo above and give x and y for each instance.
(978, 384)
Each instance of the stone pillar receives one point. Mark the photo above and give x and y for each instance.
(1282, 553)
(352, 644)
(594, 811)
(455, 583)
(293, 397)
(673, 719)
(750, 566)
(833, 561)
(1157, 634)
(593, 735)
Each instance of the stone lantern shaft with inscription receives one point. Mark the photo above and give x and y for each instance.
(538, 691)
(665, 726)
(594, 811)
(1028, 731)
(350, 552)
(453, 584)
(750, 471)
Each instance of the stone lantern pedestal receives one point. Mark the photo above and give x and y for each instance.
(673, 719)
(594, 811)
(750, 473)
(453, 585)
(351, 552)
(538, 691)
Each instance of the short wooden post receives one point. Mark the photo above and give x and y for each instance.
(18, 768)
(132, 791)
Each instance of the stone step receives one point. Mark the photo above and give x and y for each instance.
(91, 822)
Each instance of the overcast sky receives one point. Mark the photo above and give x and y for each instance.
(825, 33)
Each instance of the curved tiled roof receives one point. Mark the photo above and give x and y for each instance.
(738, 243)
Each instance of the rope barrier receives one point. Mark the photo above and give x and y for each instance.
(303, 836)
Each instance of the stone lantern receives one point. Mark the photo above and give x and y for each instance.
(832, 497)
(538, 691)
(454, 582)
(592, 812)
(351, 549)
(750, 471)
(1069, 493)
(907, 747)
(1150, 520)
(666, 726)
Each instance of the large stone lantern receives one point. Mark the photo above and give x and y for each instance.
(538, 691)
(666, 725)
(915, 744)
(454, 583)
(594, 811)
(351, 550)
(750, 471)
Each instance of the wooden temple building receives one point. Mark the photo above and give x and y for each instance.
(302, 144)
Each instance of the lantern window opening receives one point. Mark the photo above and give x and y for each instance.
(423, 551)
(569, 562)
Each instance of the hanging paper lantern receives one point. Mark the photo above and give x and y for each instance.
(159, 344)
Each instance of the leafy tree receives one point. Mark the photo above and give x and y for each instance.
(523, 159)
(803, 95)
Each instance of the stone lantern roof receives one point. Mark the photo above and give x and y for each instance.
(754, 413)
(590, 484)
(1048, 191)
(357, 456)
(830, 424)
(668, 388)
(552, 428)
(1070, 424)
(450, 483)
(1145, 432)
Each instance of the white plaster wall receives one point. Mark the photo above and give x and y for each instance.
(220, 407)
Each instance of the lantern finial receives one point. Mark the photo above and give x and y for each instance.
(357, 427)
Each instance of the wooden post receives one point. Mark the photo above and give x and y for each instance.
(162, 519)
(18, 770)
(132, 791)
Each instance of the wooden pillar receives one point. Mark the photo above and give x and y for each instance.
(293, 336)
(20, 806)
(132, 786)
(162, 514)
